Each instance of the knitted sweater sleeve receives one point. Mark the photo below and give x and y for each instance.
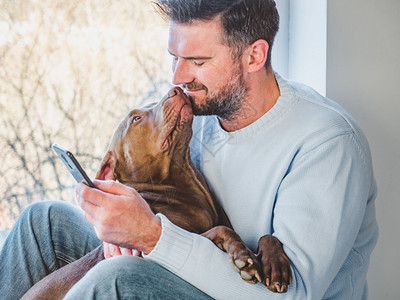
(320, 207)
(324, 215)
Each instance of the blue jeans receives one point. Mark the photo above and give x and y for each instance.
(49, 235)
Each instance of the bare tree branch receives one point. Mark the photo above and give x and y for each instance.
(69, 71)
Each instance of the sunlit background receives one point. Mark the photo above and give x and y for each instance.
(69, 72)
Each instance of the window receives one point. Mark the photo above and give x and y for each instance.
(299, 52)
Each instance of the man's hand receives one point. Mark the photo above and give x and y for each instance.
(120, 215)
(111, 250)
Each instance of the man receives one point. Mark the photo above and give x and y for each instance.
(280, 158)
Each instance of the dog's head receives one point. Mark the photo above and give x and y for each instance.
(149, 140)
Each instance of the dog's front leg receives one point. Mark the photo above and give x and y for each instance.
(271, 266)
(243, 259)
(277, 275)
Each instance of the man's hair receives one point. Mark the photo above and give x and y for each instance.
(243, 21)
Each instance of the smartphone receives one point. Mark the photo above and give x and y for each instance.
(72, 165)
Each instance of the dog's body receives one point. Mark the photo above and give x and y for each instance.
(150, 152)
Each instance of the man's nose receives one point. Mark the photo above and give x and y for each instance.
(181, 72)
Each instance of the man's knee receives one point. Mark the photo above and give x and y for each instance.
(121, 268)
(130, 277)
(43, 213)
(58, 225)
(46, 209)
(111, 278)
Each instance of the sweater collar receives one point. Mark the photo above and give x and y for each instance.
(283, 103)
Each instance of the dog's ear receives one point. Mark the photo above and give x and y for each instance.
(107, 167)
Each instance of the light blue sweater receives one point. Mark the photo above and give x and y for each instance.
(301, 172)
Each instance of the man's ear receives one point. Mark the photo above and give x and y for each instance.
(107, 167)
(257, 55)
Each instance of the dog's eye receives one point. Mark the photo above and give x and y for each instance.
(134, 119)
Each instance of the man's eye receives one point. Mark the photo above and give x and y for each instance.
(198, 63)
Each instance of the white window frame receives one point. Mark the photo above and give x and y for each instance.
(299, 52)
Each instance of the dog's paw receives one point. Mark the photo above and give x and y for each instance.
(277, 275)
(243, 259)
(248, 268)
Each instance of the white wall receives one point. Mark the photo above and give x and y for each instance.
(363, 74)
(351, 50)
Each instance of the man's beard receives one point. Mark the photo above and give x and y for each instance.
(225, 102)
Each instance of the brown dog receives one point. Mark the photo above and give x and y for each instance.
(150, 152)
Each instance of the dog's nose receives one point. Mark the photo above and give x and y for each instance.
(174, 92)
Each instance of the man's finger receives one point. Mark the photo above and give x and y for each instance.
(96, 197)
(106, 249)
(90, 212)
(115, 250)
(126, 251)
(115, 188)
(87, 205)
